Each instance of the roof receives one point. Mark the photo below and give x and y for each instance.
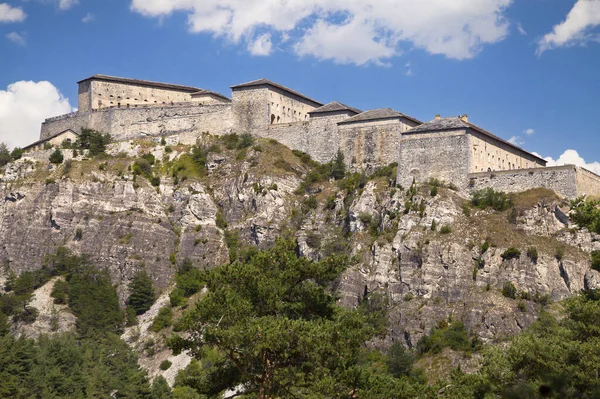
(378, 114)
(266, 82)
(334, 106)
(454, 123)
(138, 82)
(214, 93)
(49, 138)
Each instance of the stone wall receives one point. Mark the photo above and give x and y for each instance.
(104, 94)
(288, 107)
(440, 155)
(128, 123)
(562, 179)
(588, 183)
(250, 110)
(489, 154)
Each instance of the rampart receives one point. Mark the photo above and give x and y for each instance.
(561, 179)
(128, 123)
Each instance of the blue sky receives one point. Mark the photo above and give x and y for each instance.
(527, 70)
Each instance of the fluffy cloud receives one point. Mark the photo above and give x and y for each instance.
(17, 38)
(24, 106)
(346, 31)
(11, 14)
(66, 4)
(529, 131)
(261, 45)
(571, 157)
(89, 17)
(584, 15)
(516, 140)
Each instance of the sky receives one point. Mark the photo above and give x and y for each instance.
(526, 70)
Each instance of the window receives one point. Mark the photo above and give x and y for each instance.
(272, 119)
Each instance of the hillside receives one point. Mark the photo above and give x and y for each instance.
(428, 250)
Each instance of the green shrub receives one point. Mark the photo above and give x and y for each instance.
(445, 229)
(399, 361)
(509, 290)
(484, 247)
(511, 253)
(521, 306)
(177, 298)
(93, 141)
(60, 292)
(532, 253)
(155, 181)
(313, 240)
(559, 254)
(165, 365)
(434, 191)
(311, 202)
(78, 234)
(220, 220)
(433, 225)
(596, 260)
(163, 319)
(489, 198)
(466, 209)
(16, 153)
(586, 213)
(56, 157)
(453, 336)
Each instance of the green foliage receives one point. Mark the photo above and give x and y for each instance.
(559, 254)
(388, 171)
(453, 336)
(220, 220)
(484, 247)
(189, 280)
(489, 198)
(532, 253)
(163, 319)
(338, 168)
(313, 239)
(142, 294)
(509, 290)
(445, 229)
(234, 141)
(511, 253)
(466, 209)
(399, 361)
(586, 213)
(56, 157)
(155, 181)
(433, 225)
(93, 141)
(60, 292)
(165, 365)
(161, 389)
(273, 316)
(4, 155)
(232, 240)
(15, 154)
(78, 234)
(596, 260)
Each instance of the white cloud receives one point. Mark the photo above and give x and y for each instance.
(11, 14)
(584, 15)
(89, 17)
(529, 131)
(516, 140)
(347, 31)
(67, 4)
(261, 45)
(520, 29)
(17, 38)
(572, 157)
(24, 106)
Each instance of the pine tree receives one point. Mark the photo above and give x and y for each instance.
(338, 168)
(142, 292)
(161, 389)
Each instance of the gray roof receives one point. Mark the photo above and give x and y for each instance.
(266, 82)
(377, 114)
(335, 106)
(455, 123)
(214, 93)
(138, 82)
(51, 137)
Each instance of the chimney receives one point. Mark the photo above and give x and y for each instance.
(464, 118)
(438, 117)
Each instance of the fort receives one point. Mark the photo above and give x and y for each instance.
(450, 149)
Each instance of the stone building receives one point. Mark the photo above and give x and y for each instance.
(449, 149)
(57, 140)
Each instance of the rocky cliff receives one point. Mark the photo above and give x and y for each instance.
(433, 255)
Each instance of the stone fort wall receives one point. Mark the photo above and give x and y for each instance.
(569, 180)
(439, 155)
(129, 123)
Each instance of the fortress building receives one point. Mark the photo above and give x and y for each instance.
(450, 149)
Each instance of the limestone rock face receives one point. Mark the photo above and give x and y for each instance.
(422, 251)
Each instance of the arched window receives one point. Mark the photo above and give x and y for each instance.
(278, 119)
(272, 119)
